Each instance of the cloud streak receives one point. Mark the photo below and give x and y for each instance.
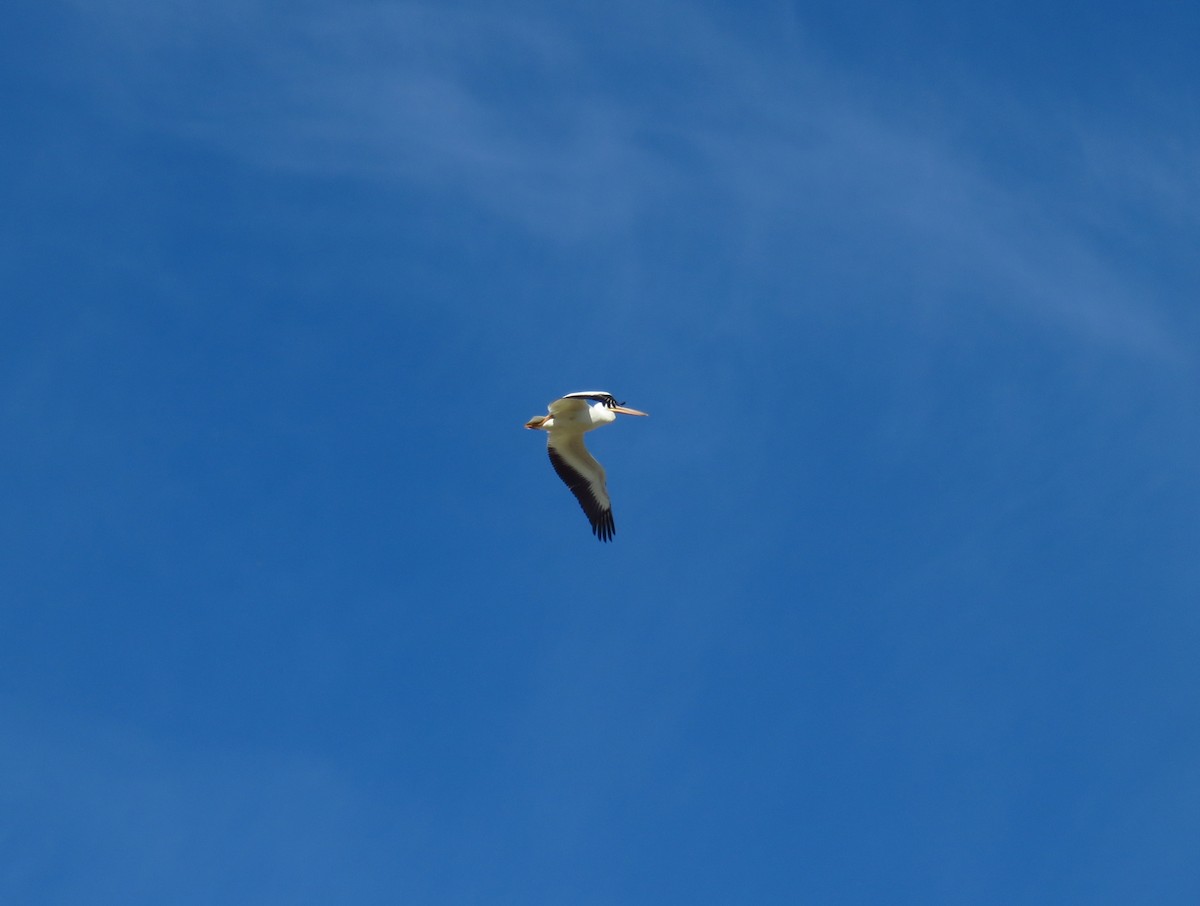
(521, 116)
(110, 814)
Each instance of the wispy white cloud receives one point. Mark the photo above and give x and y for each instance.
(98, 812)
(538, 118)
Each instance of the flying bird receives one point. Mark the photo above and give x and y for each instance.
(569, 419)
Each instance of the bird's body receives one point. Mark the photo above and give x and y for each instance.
(569, 419)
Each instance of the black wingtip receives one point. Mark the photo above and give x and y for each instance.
(604, 528)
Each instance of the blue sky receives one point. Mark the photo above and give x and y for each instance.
(902, 605)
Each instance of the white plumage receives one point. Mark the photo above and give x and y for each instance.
(570, 418)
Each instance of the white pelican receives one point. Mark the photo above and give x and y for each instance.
(569, 419)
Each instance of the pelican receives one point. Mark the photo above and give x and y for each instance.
(569, 419)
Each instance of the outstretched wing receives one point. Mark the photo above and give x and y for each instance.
(585, 477)
(567, 406)
(598, 396)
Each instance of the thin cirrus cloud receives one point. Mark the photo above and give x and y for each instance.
(526, 116)
(92, 793)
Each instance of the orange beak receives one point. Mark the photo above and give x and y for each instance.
(626, 411)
